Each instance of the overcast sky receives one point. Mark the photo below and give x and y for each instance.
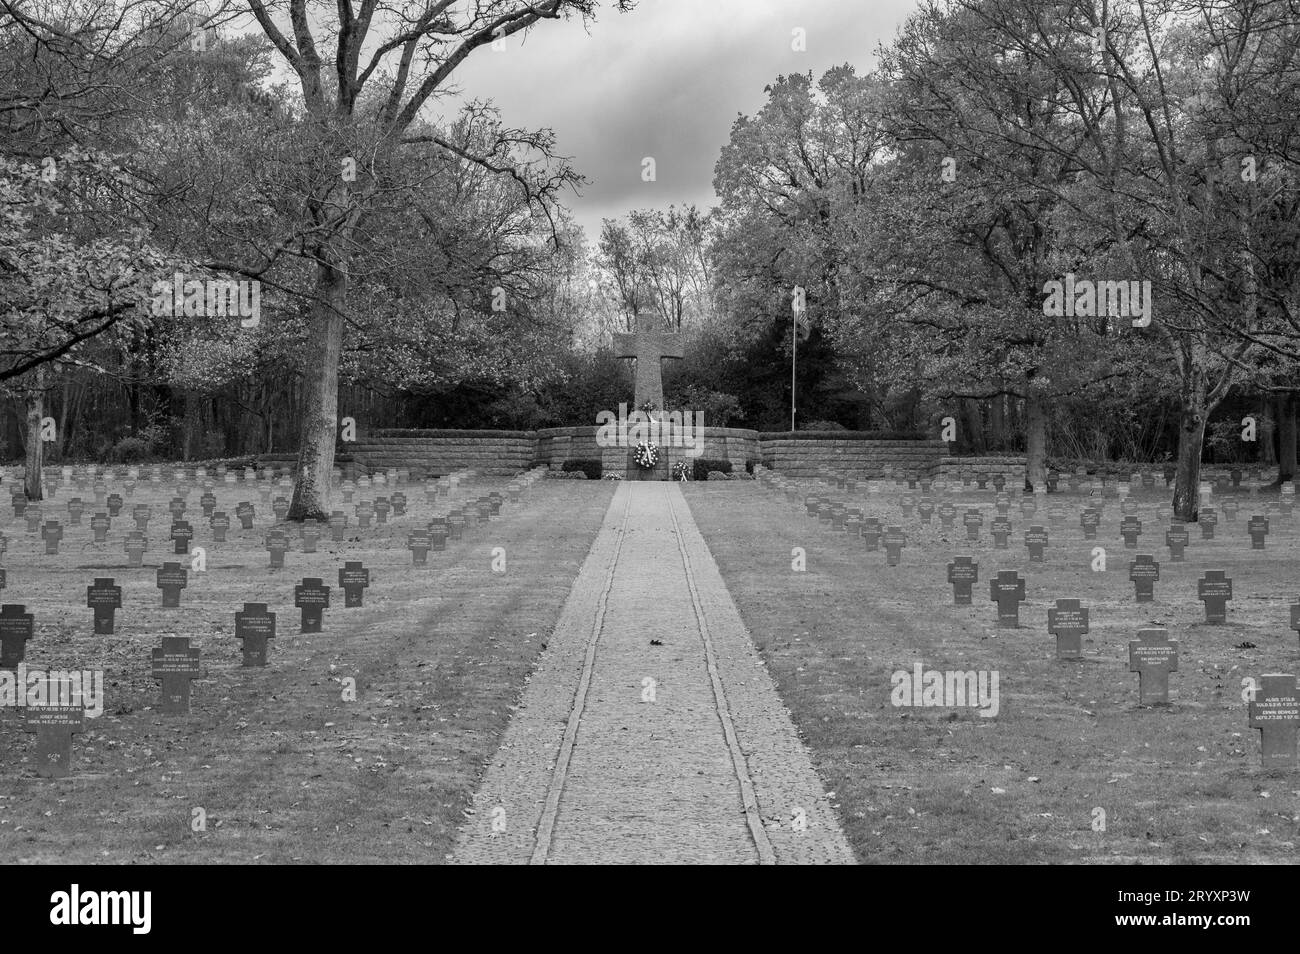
(666, 80)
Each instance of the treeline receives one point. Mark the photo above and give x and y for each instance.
(415, 271)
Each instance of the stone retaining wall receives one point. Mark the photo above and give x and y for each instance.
(971, 468)
(804, 454)
(494, 453)
(801, 454)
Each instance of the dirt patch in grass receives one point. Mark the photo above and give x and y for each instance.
(284, 769)
(1182, 784)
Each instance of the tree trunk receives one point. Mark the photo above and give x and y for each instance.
(311, 491)
(1191, 439)
(974, 426)
(997, 423)
(1035, 441)
(1286, 432)
(33, 482)
(1266, 433)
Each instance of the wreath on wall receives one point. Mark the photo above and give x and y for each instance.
(646, 455)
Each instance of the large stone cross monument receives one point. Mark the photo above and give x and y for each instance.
(649, 348)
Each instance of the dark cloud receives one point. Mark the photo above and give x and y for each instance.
(667, 81)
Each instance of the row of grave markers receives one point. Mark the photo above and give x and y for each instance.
(1275, 706)
(176, 663)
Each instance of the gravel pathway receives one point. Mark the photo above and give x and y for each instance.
(627, 751)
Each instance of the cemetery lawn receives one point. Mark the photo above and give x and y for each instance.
(283, 769)
(934, 785)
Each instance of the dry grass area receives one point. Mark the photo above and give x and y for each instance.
(281, 766)
(1181, 784)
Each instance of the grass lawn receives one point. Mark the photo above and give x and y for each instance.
(1181, 784)
(283, 768)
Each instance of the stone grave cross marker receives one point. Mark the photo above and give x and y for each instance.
(649, 348)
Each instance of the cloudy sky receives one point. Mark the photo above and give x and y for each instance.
(667, 81)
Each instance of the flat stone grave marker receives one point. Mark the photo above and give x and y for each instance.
(175, 664)
(1002, 504)
(115, 503)
(181, 535)
(16, 627)
(1176, 539)
(99, 527)
(1001, 529)
(1295, 617)
(972, 521)
(871, 532)
(51, 533)
(338, 524)
(280, 507)
(365, 510)
(1144, 572)
(1275, 711)
(1128, 506)
(1089, 520)
(1257, 527)
(1130, 528)
(838, 514)
(1036, 541)
(313, 598)
(54, 726)
(894, 539)
(253, 627)
(310, 535)
(925, 508)
(1214, 590)
(354, 577)
(907, 502)
(277, 544)
(1229, 509)
(1068, 622)
(220, 524)
(172, 578)
(1007, 589)
(104, 598)
(1153, 657)
(419, 544)
(245, 512)
(135, 546)
(962, 572)
(382, 509)
(1208, 519)
(33, 515)
(75, 510)
(947, 513)
(398, 501)
(142, 514)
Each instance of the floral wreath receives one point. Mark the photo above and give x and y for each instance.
(646, 454)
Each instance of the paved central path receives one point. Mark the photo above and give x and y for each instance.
(627, 751)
